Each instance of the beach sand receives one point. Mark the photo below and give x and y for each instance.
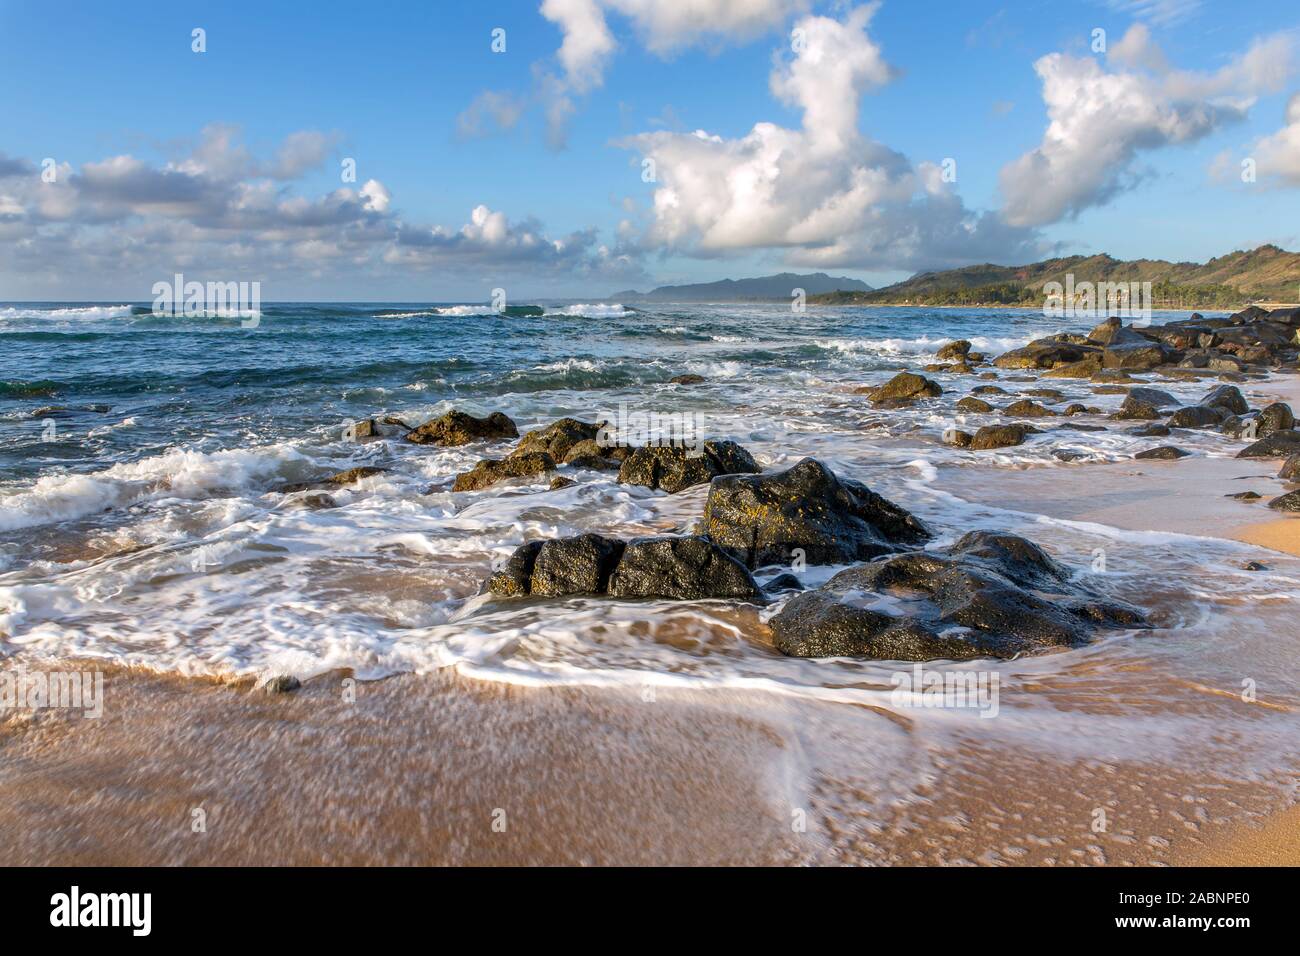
(1185, 497)
(418, 769)
(1280, 535)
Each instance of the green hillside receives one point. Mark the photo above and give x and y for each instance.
(1268, 274)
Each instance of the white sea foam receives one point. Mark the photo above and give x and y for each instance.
(460, 310)
(597, 310)
(177, 474)
(81, 313)
(924, 344)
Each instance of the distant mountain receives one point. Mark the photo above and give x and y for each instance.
(763, 288)
(1267, 274)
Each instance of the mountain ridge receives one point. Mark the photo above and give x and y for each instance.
(1266, 273)
(778, 287)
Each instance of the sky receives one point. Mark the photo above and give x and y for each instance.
(575, 148)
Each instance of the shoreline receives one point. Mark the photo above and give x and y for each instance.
(415, 767)
(412, 769)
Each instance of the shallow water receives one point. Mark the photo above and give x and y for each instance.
(138, 522)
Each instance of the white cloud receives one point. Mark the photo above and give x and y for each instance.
(1102, 117)
(824, 193)
(221, 209)
(588, 45)
(375, 195)
(1277, 157)
(587, 40)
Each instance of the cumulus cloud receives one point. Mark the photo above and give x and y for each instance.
(824, 193)
(490, 241)
(1101, 117)
(1277, 157)
(221, 209)
(588, 45)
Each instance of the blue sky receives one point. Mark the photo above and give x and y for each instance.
(170, 160)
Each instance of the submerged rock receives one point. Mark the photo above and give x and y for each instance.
(281, 684)
(689, 379)
(459, 428)
(903, 386)
(958, 349)
(1133, 408)
(1150, 431)
(1025, 408)
(674, 468)
(1280, 444)
(491, 470)
(764, 519)
(1163, 453)
(312, 502)
(1000, 436)
(686, 568)
(989, 595)
(1287, 502)
(336, 480)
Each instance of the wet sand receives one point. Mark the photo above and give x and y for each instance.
(418, 769)
(1274, 842)
(1280, 535)
(1186, 497)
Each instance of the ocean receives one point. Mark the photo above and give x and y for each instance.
(140, 523)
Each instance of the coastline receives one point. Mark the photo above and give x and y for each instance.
(586, 770)
(413, 769)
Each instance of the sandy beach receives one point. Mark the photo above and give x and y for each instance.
(436, 768)
(443, 718)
